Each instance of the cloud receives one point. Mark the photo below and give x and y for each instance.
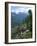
(17, 10)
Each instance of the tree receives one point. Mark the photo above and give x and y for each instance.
(30, 20)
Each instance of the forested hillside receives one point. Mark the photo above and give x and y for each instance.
(21, 25)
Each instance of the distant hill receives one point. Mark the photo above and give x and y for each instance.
(17, 18)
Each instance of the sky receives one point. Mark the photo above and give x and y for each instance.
(17, 9)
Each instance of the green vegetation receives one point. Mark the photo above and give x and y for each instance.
(19, 31)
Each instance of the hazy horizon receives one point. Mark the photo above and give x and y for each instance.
(18, 9)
